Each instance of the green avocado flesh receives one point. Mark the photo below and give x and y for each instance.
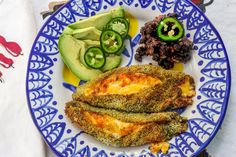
(111, 63)
(67, 30)
(99, 21)
(90, 33)
(69, 48)
(78, 37)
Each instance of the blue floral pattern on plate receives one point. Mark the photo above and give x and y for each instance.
(213, 80)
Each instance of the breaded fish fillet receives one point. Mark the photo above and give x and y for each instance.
(120, 133)
(161, 117)
(140, 88)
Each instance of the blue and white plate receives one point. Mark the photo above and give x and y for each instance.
(48, 91)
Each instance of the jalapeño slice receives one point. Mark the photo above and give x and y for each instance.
(111, 42)
(119, 25)
(170, 29)
(94, 58)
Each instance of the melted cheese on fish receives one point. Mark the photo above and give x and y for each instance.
(111, 125)
(186, 88)
(157, 147)
(124, 84)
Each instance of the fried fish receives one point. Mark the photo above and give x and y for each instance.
(161, 117)
(139, 88)
(121, 129)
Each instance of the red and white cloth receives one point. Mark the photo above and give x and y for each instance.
(20, 21)
(18, 135)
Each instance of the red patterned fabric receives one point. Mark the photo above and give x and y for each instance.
(13, 49)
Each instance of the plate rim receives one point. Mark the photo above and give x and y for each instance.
(224, 103)
(228, 84)
(27, 78)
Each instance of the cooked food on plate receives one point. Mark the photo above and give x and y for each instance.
(132, 106)
(164, 39)
(128, 106)
(94, 45)
(120, 133)
(160, 117)
(139, 88)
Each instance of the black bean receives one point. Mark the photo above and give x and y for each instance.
(176, 47)
(138, 57)
(156, 57)
(142, 40)
(141, 50)
(168, 64)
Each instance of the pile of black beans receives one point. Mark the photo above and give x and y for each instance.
(164, 53)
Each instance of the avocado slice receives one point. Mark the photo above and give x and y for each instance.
(82, 52)
(67, 30)
(91, 43)
(100, 20)
(69, 48)
(111, 63)
(85, 45)
(117, 12)
(90, 33)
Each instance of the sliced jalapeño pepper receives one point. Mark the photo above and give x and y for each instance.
(170, 29)
(119, 25)
(111, 42)
(94, 58)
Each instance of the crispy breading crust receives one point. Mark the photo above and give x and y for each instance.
(148, 133)
(161, 117)
(160, 97)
